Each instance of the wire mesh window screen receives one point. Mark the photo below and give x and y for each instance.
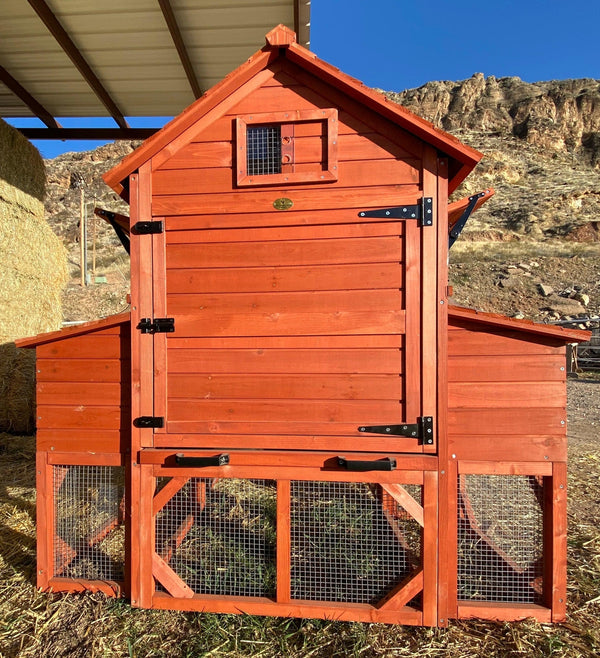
(350, 542)
(263, 150)
(219, 536)
(89, 530)
(500, 538)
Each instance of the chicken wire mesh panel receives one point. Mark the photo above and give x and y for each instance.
(263, 148)
(89, 530)
(500, 538)
(350, 542)
(219, 536)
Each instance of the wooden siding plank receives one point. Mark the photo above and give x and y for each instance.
(291, 324)
(352, 146)
(290, 442)
(289, 342)
(356, 229)
(508, 420)
(356, 412)
(300, 361)
(503, 447)
(79, 417)
(261, 201)
(285, 279)
(85, 393)
(81, 370)
(306, 252)
(528, 367)
(284, 302)
(280, 427)
(84, 440)
(90, 346)
(488, 343)
(350, 174)
(299, 387)
(269, 217)
(491, 395)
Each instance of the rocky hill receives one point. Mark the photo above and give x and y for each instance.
(532, 251)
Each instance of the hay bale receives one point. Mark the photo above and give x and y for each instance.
(33, 272)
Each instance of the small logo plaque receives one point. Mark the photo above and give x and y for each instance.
(282, 203)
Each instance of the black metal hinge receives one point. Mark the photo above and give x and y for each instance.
(423, 212)
(149, 421)
(156, 326)
(147, 228)
(422, 429)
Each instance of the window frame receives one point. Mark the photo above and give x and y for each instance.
(286, 120)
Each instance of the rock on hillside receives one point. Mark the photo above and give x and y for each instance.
(560, 116)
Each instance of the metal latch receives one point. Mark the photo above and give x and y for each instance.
(156, 326)
(148, 228)
(149, 421)
(423, 212)
(422, 429)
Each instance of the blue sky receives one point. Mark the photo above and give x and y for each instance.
(399, 44)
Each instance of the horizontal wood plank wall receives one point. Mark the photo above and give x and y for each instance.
(83, 392)
(288, 323)
(507, 395)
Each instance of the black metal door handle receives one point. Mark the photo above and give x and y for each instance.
(386, 464)
(217, 460)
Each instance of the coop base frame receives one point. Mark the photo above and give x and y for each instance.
(435, 580)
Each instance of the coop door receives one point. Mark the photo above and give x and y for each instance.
(297, 336)
(288, 538)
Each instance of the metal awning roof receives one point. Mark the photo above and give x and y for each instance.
(126, 58)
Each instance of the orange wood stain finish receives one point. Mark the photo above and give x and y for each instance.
(298, 319)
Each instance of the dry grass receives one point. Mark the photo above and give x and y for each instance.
(33, 624)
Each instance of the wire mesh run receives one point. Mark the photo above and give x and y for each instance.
(350, 543)
(219, 536)
(263, 148)
(500, 538)
(89, 530)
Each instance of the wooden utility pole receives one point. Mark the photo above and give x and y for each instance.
(94, 219)
(82, 238)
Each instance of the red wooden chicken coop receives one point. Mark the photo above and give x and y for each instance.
(293, 421)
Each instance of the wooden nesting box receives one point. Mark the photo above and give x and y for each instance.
(293, 421)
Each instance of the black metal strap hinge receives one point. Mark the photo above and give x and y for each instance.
(156, 326)
(423, 212)
(422, 430)
(147, 228)
(462, 220)
(149, 421)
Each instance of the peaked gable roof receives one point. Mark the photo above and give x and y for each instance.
(281, 42)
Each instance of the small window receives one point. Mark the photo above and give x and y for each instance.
(287, 147)
(263, 150)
